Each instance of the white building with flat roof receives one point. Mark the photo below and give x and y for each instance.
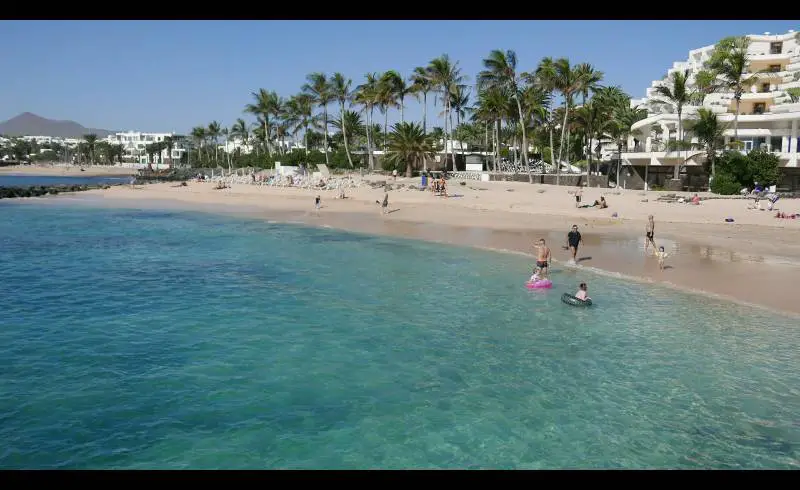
(135, 145)
(769, 115)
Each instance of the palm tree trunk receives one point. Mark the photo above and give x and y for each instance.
(402, 112)
(425, 112)
(496, 144)
(344, 135)
(305, 141)
(677, 173)
(524, 142)
(325, 122)
(372, 141)
(385, 126)
(485, 138)
(561, 147)
(619, 160)
(736, 120)
(452, 130)
(266, 137)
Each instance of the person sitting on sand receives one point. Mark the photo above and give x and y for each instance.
(583, 292)
(661, 255)
(696, 200)
(602, 204)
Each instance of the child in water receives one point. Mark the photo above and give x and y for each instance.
(582, 293)
(661, 255)
(535, 277)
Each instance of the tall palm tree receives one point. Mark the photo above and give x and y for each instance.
(91, 141)
(568, 81)
(198, 135)
(676, 93)
(409, 145)
(213, 133)
(320, 90)
(301, 115)
(500, 71)
(340, 89)
(729, 61)
(444, 75)
(545, 77)
(459, 101)
(623, 117)
(239, 131)
(266, 105)
(421, 85)
(366, 94)
(709, 132)
(350, 125)
(387, 98)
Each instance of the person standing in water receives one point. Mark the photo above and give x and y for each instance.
(574, 239)
(649, 233)
(543, 258)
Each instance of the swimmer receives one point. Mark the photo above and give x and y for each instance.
(582, 293)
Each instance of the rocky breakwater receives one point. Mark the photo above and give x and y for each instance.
(45, 190)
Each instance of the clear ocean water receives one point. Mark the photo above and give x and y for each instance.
(141, 339)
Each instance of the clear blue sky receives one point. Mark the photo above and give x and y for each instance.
(171, 75)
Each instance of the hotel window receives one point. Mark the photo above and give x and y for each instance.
(775, 48)
(774, 68)
(765, 87)
(759, 108)
(776, 142)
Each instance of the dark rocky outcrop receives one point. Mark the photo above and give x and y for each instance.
(44, 190)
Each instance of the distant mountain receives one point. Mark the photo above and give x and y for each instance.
(27, 124)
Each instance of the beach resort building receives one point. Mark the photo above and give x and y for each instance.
(769, 118)
(135, 145)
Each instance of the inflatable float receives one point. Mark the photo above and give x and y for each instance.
(540, 284)
(571, 300)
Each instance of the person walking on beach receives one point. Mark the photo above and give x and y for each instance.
(574, 239)
(385, 203)
(662, 256)
(543, 258)
(578, 195)
(317, 204)
(649, 233)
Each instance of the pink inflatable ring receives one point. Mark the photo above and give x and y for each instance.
(540, 284)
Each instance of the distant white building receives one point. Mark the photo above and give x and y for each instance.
(135, 143)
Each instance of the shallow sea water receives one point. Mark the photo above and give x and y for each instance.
(144, 339)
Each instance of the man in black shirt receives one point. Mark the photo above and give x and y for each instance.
(573, 240)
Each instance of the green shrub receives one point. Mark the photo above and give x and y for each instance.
(725, 184)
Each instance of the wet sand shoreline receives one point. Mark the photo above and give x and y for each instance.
(750, 271)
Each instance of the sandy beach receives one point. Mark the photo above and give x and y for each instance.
(753, 260)
(71, 170)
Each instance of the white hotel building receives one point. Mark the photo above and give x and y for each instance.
(135, 145)
(768, 118)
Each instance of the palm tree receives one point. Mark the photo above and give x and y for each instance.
(91, 140)
(709, 132)
(568, 81)
(353, 126)
(267, 104)
(459, 101)
(320, 91)
(729, 61)
(545, 78)
(366, 94)
(301, 115)
(444, 75)
(239, 130)
(501, 72)
(623, 117)
(213, 133)
(421, 84)
(409, 144)
(705, 83)
(676, 94)
(340, 89)
(198, 134)
(169, 144)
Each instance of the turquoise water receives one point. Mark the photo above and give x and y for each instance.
(135, 339)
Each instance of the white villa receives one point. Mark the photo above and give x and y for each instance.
(768, 117)
(135, 146)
